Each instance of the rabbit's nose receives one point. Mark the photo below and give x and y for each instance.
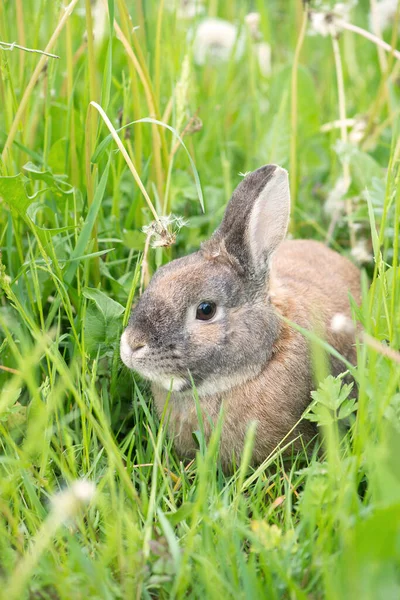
(132, 346)
(134, 339)
(137, 346)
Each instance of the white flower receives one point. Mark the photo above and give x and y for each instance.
(263, 53)
(360, 253)
(83, 490)
(68, 502)
(261, 50)
(382, 15)
(215, 40)
(100, 22)
(343, 9)
(341, 323)
(335, 200)
(329, 22)
(253, 23)
(319, 24)
(163, 232)
(358, 130)
(185, 9)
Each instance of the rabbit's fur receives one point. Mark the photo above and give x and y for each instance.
(246, 357)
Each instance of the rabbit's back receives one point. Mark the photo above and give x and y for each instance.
(318, 274)
(310, 284)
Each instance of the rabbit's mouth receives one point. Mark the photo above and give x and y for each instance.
(170, 383)
(137, 358)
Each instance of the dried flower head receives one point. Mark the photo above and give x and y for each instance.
(195, 124)
(329, 22)
(164, 231)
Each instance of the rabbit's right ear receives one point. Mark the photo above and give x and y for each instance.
(256, 219)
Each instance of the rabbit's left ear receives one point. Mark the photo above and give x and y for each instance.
(256, 218)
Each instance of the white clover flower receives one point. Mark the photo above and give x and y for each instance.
(335, 200)
(67, 503)
(358, 130)
(263, 53)
(360, 253)
(341, 323)
(382, 14)
(252, 21)
(214, 40)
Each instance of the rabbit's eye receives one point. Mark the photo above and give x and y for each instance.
(205, 311)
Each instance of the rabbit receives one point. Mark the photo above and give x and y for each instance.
(213, 320)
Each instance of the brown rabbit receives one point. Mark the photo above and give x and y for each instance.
(213, 318)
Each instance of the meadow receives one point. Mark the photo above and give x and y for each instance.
(129, 119)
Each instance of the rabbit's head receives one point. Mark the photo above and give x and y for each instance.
(206, 318)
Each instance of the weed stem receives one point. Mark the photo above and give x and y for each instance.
(7, 46)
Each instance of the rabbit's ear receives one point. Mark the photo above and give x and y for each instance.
(256, 218)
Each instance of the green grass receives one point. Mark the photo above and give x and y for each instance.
(71, 218)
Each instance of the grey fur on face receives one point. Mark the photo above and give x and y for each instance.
(239, 340)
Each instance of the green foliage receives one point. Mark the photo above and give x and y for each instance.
(102, 321)
(320, 525)
(332, 402)
(12, 190)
